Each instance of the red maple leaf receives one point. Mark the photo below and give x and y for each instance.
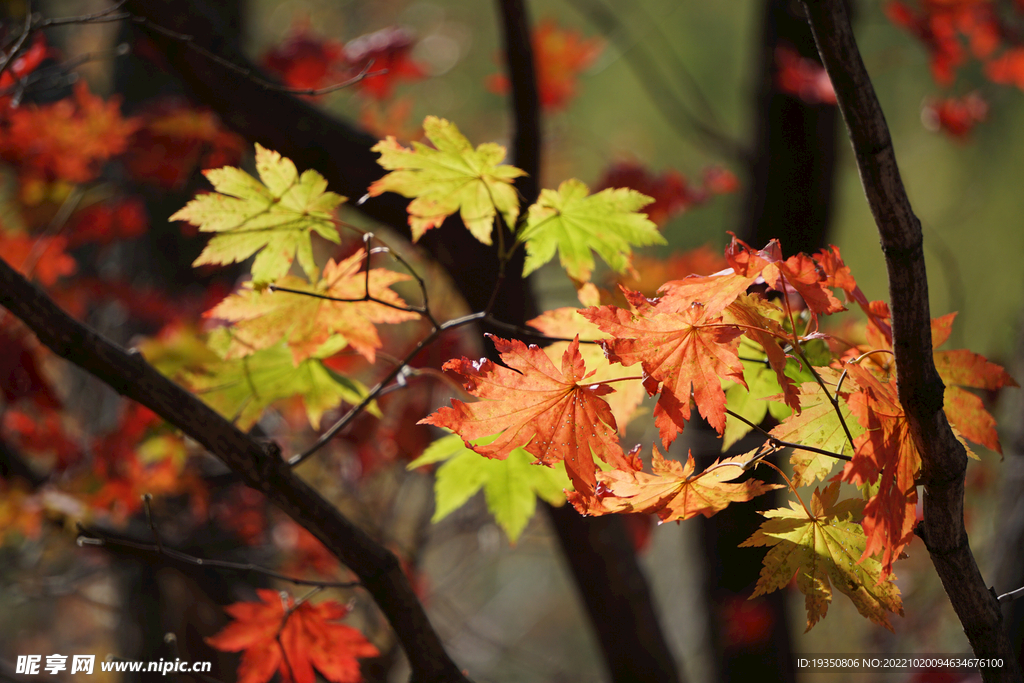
(549, 411)
(41, 257)
(673, 491)
(962, 368)
(69, 139)
(175, 140)
(802, 77)
(688, 350)
(560, 56)
(886, 455)
(798, 274)
(955, 116)
(305, 60)
(671, 191)
(275, 634)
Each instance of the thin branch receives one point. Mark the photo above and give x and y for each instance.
(189, 41)
(774, 441)
(355, 411)
(1011, 596)
(88, 536)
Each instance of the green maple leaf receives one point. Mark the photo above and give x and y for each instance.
(511, 486)
(818, 425)
(823, 547)
(453, 177)
(750, 401)
(274, 217)
(574, 222)
(240, 389)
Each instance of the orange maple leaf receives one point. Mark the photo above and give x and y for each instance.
(536, 406)
(262, 319)
(963, 368)
(673, 491)
(685, 350)
(559, 58)
(69, 139)
(39, 256)
(887, 455)
(716, 292)
(275, 634)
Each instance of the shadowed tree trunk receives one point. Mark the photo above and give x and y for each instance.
(788, 197)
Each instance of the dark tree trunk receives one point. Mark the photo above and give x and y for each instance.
(789, 197)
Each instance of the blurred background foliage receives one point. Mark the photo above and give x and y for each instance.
(510, 613)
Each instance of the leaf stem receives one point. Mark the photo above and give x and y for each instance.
(355, 411)
(774, 441)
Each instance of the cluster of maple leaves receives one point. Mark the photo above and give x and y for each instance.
(736, 338)
(956, 33)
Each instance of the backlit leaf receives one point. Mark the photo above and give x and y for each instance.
(511, 486)
(824, 548)
(673, 491)
(450, 177)
(574, 222)
(274, 217)
(549, 411)
(262, 319)
(240, 389)
(277, 636)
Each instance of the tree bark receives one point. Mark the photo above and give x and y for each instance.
(944, 460)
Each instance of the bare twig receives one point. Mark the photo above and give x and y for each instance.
(89, 536)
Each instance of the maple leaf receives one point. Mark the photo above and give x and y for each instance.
(887, 455)
(453, 177)
(69, 139)
(274, 217)
(574, 222)
(671, 191)
(275, 634)
(673, 491)
(559, 56)
(818, 425)
(686, 350)
(963, 368)
(823, 548)
(716, 292)
(536, 406)
(240, 389)
(511, 486)
(305, 60)
(568, 322)
(262, 319)
(40, 256)
(756, 400)
(175, 139)
(759, 318)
